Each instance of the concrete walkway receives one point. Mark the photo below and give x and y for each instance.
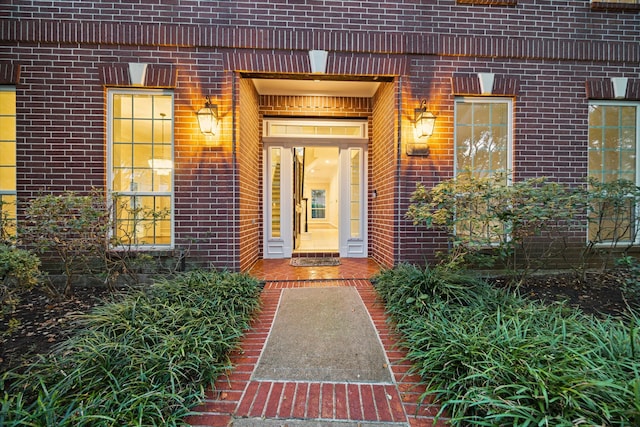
(242, 400)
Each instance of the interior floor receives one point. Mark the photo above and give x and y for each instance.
(319, 238)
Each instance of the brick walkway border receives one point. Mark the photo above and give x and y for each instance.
(236, 395)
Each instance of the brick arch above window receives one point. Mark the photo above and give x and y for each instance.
(627, 89)
(472, 84)
(152, 75)
(9, 73)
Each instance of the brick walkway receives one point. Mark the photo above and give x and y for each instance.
(237, 395)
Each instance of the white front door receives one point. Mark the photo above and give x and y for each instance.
(281, 209)
(285, 141)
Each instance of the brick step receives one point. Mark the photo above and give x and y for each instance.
(315, 254)
(259, 422)
(322, 401)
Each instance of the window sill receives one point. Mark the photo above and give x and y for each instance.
(615, 7)
(489, 2)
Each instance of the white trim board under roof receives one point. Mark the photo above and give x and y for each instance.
(342, 88)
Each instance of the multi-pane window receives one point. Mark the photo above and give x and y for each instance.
(483, 147)
(141, 167)
(482, 136)
(613, 139)
(7, 162)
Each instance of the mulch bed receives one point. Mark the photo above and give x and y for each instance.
(43, 322)
(598, 294)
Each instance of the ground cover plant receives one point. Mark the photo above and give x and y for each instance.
(492, 357)
(141, 359)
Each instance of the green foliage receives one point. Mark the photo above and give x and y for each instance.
(19, 267)
(71, 227)
(122, 259)
(612, 219)
(492, 358)
(7, 222)
(483, 215)
(19, 271)
(630, 271)
(141, 360)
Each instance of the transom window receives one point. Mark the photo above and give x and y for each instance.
(7, 162)
(141, 167)
(613, 146)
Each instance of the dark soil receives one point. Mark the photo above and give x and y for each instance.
(598, 294)
(43, 322)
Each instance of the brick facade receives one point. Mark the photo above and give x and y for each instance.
(547, 55)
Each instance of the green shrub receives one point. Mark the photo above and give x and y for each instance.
(70, 227)
(141, 360)
(519, 225)
(19, 267)
(19, 271)
(612, 220)
(492, 358)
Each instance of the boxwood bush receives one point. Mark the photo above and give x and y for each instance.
(142, 359)
(492, 358)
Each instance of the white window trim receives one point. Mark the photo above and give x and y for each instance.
(620, 103)
(171, 193)
(510, 127)
(10, 88)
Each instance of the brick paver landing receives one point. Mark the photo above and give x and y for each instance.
(237, 396)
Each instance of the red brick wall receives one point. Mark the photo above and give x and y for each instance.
(249, 159)
(539, 19)
(61, 134)
(206, 176)
(549, 46)
(550, 129)
(383, 217)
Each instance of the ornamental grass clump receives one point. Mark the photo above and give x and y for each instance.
(492, 358)
(141, 360)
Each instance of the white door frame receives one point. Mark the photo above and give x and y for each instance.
(281, 246)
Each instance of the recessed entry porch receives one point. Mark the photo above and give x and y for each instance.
(313, 166)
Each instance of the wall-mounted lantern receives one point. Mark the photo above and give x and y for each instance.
(424, 121)
(208, 118)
